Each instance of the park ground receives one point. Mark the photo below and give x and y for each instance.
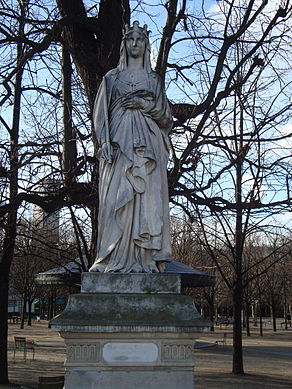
(267, 359)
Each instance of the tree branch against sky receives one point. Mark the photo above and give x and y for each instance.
(234, 165)
(232, 140)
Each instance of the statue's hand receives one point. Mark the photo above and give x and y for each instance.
(107, 151)
(133, 103)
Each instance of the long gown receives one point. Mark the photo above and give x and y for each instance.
(133, 221)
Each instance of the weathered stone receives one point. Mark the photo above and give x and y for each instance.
(126, 340)
(132, 120)
(130, 283)
(130, 379)
(158, 360)
(127, 311)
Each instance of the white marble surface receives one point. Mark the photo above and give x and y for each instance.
(130, 352)
(129, 379)
(132, 120)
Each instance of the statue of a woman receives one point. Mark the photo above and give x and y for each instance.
(132, 121)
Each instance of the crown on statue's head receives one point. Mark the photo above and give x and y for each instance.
(137, 28)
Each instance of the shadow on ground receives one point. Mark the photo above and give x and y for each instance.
(49, 361)
(267, 360)
(248, 381)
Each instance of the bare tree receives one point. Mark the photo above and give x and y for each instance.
(187, 248)
(33, 43)
(274, 281)
(230, 160)
(12, 187)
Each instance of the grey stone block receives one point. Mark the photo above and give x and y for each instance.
(129, 331)
(115, 311)
(158, 283)
(130, 379)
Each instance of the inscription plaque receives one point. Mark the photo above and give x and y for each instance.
(122, 352)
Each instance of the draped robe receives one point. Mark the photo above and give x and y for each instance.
(133, 221)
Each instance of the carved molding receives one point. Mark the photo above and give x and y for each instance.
(83, 353)
(176, 352)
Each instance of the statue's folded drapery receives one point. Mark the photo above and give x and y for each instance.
(133, 223)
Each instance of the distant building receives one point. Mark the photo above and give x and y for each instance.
(15, 305)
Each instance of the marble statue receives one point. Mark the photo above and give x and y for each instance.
(132, 120)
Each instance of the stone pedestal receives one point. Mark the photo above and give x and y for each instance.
(129, 331)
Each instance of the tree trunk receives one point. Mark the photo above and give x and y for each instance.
(261, 321)
(94, 42)
(5, 263)
(211, 308)
(10, 226)
(244, 318)
(4, 286)
(51, 312)
(255, 314)
(29, 302)
(69, 139)
(23, 312)
(247, 324)
(274, 316)
(212, 315)
(237, 366)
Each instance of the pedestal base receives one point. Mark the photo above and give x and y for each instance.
(130, 379)
(130, 340)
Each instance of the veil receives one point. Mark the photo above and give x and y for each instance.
(123, 62)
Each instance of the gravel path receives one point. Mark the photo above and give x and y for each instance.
(267, 360)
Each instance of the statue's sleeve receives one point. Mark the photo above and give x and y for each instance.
(100, 114)
(160, 111)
